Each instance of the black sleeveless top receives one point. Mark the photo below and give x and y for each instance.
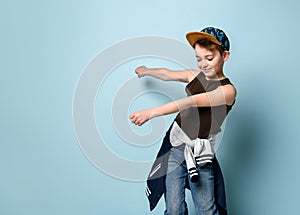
(203, 121)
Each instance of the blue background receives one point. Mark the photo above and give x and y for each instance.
(44, 47)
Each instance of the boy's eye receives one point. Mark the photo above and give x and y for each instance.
(210, 59)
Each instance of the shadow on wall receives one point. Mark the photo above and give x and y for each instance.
(242, 156)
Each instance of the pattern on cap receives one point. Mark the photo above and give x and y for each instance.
(219, 35)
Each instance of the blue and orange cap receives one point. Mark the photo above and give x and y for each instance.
(215, 35)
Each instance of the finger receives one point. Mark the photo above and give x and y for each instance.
(135, 121)
(133, 116)
(140, 122)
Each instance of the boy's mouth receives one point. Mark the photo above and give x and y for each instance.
(206, 70)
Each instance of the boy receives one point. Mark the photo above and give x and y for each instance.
(210, 97)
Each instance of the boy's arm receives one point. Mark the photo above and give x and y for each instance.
(220, 96)
(166, 74)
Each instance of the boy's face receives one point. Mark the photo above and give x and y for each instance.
(210, 62)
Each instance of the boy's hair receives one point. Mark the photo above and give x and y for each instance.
(206, 43)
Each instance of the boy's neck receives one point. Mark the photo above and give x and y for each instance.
(219, 76)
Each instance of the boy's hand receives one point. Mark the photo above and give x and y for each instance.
(140, 71)
(140, 117)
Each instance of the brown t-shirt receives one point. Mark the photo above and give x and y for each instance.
(203, 121)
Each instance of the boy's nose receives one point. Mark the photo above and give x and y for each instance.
(203, 65)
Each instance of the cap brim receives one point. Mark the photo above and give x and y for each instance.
(193, 37)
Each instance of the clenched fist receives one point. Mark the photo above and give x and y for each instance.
(140, 117)
(140, 71)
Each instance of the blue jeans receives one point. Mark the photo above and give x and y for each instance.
(202, 191)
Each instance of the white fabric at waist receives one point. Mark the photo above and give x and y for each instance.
(179, 137)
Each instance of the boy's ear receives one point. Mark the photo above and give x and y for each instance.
(226, 55)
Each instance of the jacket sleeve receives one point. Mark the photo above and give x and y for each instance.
(156, 178)
(220, 197)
